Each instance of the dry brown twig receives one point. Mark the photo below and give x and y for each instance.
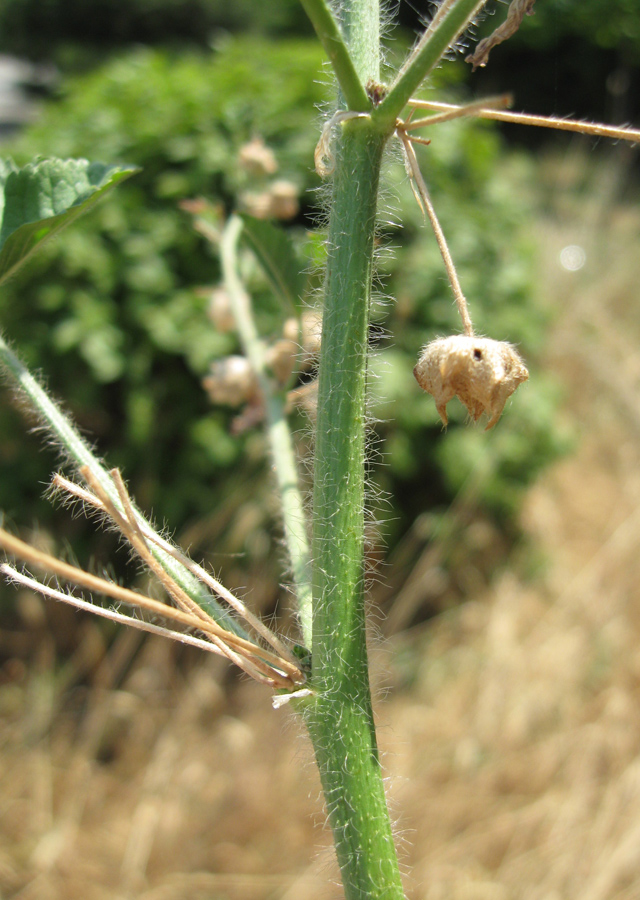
(277, 669)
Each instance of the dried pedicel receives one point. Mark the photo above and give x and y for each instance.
(481, 372)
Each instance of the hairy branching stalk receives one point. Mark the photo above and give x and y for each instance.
(483, 373)
(74, 448)
(339, 714)
(182, 579)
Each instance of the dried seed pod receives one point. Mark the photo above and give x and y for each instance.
(279, 201)
(481, 372)
(256, 158)
(230, 381)
(220, 310)
(285, 202)
(304, 398)
(281, 359)
(307, 331)
(311, 333)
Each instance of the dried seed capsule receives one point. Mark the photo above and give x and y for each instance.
(481, 372)
(230, 381)
(220, 310)
(256, 158)
(307, 331)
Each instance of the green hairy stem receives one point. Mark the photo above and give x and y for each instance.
(446, 29)
(339, 716)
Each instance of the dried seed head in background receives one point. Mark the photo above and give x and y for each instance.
(280, 201)
(307, 331)
(256, 158)
(481, 372)
(231, 381)
(220, 311)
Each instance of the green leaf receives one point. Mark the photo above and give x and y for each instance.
(41, 198)
(277, 255)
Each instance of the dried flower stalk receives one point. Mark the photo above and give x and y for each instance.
(481, 372)
(278, 669)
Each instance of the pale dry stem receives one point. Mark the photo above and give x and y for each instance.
(622, 133)
(449, 111)
(263, 665)
(50, 564)
(75, 490)
(424, 200)
(490, 109)
(46, 590)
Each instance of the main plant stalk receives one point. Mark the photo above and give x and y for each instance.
(339, 716)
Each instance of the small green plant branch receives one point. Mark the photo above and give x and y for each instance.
(331, 37)
(278, 432)
(449, 22)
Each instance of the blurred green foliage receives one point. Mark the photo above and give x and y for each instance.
(72, 31)
(111, 311)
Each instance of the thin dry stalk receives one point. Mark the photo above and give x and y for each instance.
(75, 490)
(261, 664)
(479, 108)
(424, 200)
(47, 591)
(127, 525)
(622, 133)
(245, 658)
(444, 112)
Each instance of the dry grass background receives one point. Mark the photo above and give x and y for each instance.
(510, 726)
